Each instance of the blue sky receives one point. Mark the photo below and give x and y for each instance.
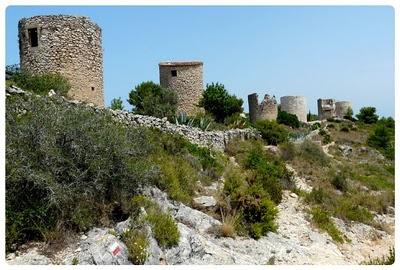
(346, 53)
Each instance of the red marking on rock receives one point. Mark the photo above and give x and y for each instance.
(116, 250)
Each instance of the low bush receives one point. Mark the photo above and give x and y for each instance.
(339, 181)
(164, 229)
(384, 260)
(272, 132)
(345, 129)
(41, 84)
(318, 196)
(137, 243)
(288, 150)
(288, 119)
(313, 153)
(71, 168)
(67, 167)
(163, 226)
(382, 138)
(149, 98)
(322, 219)
(347, 209)
(237, 121)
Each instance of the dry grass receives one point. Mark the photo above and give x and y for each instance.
(229, 222)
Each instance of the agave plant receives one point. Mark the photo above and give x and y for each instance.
(184, 119)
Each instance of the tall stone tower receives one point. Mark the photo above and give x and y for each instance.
(295, 105)
(69, 45)
(186, 78)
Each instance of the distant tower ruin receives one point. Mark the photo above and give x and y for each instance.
(186, 78)
(69, 45)
(329, 108)
(326, 108)
(296, 105)
(266, 110)
(342, 107)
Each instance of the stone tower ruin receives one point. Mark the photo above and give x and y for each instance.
(68, 45)
(342, 107)
(186, 78)
(326, 108)
(266, 110)
(296, 105)
(329, 108)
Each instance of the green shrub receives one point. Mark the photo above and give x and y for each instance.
(313, 152)
(382, 139)
(235, 182)
(258, 209)
(178, 178)
(149, 98)
(384, 260)
(164, 229)
(67, 166)
(340, 182)
(236, 120)
(349, 114)
(271, 132)
(116, 104)
(367, 115)
(315, 126)
(163, 226)
(288, 150)
(347, 209)
(288, 119)
(318, 196)
(137, 243)
(217, 101)
(41, 84)
(311, 117)
(331, 126)
(322, 220)
(344, 129)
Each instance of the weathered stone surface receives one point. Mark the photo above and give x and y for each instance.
(186, 79)
(69, 45)
(205, 201)
(101, 248)
(32, 257)
(345, 149)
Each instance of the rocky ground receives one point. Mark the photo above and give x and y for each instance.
(295, 242)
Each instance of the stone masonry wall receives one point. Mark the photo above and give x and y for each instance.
(215, 139)
(342, 107)
(326, 108)
(188, 83)
(295, 105)
(267, 109)
(69, 45)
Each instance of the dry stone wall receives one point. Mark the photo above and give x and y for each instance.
(215, 139)
(69, 45)
(186, 78)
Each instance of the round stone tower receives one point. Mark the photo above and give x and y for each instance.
(295, 105)
(341, 108)
(186, 78)
(68, 45)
